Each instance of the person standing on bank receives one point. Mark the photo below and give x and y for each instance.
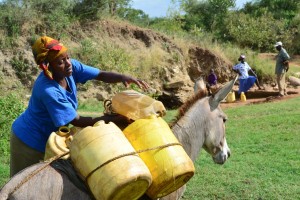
(246, 81)
(54, 103)
(282, 66)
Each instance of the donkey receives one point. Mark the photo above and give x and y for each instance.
(200, 124)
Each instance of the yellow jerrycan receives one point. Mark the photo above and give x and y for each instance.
(108, 163)
(166, 159)
(243, 97)
(230, 97)
(57, 143)
(135, 105)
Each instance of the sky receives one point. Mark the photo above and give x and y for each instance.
(159, 8)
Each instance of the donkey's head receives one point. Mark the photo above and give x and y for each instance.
(215, 141)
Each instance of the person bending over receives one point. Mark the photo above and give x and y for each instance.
(246, 81)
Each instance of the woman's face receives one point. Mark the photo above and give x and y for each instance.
(61, 67)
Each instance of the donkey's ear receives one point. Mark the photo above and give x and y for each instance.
(199, 85)
(215, 99)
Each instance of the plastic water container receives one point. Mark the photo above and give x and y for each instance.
(135, 105)
(57, 143)
(170, 166)
(243, 97)
(230, 97)
(102, 155)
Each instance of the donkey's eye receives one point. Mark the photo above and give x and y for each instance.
(223, 117)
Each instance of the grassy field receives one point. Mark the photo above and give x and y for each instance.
(265, 161)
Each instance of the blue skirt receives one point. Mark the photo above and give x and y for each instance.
(246, 84)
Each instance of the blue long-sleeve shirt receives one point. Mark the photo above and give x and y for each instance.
(50, 106)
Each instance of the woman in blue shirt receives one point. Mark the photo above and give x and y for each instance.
(246, 81)
(54, 103)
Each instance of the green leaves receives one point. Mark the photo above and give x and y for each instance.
(11, 108)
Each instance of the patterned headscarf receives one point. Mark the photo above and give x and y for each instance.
(45, 50)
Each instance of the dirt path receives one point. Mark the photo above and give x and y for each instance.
(292, 93)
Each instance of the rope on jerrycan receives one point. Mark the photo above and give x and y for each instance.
(129, 154)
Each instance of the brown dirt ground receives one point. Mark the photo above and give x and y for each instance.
(292, 93)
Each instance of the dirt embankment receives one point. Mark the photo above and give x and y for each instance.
(173, 84)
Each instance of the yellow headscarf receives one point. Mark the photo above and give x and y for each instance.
(45, 50)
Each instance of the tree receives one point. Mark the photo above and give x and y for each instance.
(93, 9)
(259, 33)
(209, 14)
(114, 5)
(134, 15)
(280, 9)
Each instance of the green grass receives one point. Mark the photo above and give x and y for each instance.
(265, 162)
(92, 106)
(4, 169)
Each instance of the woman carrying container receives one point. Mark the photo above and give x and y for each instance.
(246, 81)
(54, 103)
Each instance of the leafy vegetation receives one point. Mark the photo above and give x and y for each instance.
(24, 70)
(11, 107)
(213, 24)
(257, 25)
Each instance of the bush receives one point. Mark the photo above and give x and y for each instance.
(107, 56)
(258, 33)
(11, 108)
(24, 69)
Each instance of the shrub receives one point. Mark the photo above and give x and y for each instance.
(11, 107)
(24, 69)
(258, 33)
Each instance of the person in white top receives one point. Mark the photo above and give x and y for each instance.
(246, 81)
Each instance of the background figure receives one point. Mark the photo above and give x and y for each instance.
(246, 81)
(211, 81)
(282, 66)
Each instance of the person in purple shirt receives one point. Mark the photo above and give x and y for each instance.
(211, 81)
(212, 78)
(54, 103)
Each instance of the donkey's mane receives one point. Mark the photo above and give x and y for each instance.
(188, 104)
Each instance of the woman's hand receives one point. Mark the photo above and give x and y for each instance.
(112, 77)
(286, 65)
(127, 80)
